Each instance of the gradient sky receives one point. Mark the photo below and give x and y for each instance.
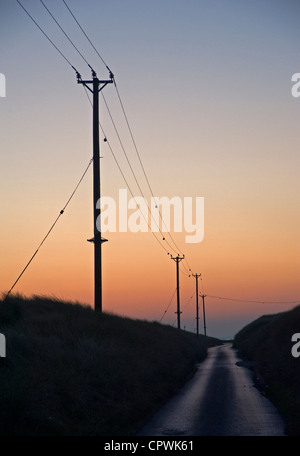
(207, 89)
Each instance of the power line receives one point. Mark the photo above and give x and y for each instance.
(177, 249)
(125, 180)
(86, 36)
(201, 278)
(51, 228)
(253, 301)
(187, 274)
(122, 145)
(141, 164)
(188, 301)
(133, 173)
(170, 302)
(188, 270)
(66, 35)
(45, 34)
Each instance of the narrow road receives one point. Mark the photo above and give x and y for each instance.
(220, 400)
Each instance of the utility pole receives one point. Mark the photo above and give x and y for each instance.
(97, 86)
(197, 304)
(204, 322)
(177, 260)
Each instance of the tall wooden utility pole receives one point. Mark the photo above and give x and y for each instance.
(197, 303)
(177, 260)
(204, 321)
(97, 86)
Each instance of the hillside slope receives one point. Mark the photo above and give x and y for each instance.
(267, 343)
(71, 371)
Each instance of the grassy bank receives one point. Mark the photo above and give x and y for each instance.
(71, 371)
(267, 342)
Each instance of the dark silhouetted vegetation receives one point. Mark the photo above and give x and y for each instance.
(267, 343)
(71, 371)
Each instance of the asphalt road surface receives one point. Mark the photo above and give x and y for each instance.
(220, 400)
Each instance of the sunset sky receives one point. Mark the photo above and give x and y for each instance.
(206, 85)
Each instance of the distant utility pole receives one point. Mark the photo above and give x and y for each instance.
(204, 322)
(177, 260)
(97, 86)
(197, 304)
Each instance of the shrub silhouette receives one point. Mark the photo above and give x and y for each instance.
(267, 342)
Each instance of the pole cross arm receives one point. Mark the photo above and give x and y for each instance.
(104, 83)
(178, 258)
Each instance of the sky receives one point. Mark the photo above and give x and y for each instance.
(206, 86)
